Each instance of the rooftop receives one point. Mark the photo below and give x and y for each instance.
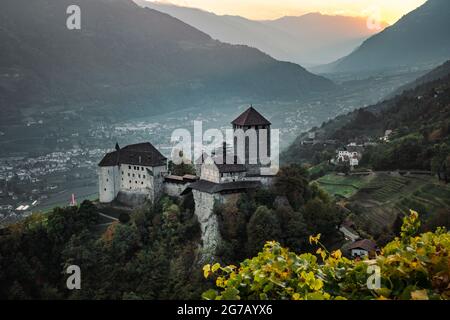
(250, 117)
(144, 154)
(211, 187)
(364, 244)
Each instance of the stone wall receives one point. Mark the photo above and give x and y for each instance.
(174, 189)
(108, 183)
(132, 199)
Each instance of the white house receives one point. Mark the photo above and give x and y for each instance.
(363, 248)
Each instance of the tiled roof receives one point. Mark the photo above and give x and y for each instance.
(181, 179)
(364, 244)
(211, 187)
(250, 117)
(143, 154)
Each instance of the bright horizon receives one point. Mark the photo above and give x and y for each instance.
(387, 10)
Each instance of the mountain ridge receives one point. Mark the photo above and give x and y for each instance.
(339, 37)
(418, 38)
(126, 55)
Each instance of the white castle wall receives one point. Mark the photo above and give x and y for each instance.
(108, 183)
(210, 172)
(135, 178)
(130, 179)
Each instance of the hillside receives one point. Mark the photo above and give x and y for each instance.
(126, 55)
(421, 113)
(436, 74)
(310, 39)
(419, 38)
(411, 169)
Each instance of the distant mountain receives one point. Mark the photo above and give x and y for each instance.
(138, 60)
(419, 38)
(308, 40)
(325, 37)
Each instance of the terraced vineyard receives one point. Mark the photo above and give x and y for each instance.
(377, 204)
(427, 199)
(343, 186)
(385, 187)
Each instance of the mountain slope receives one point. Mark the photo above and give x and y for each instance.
(419, 115)
(307, 40)
(325, 37)
(419, 38)
(128, 56)
(436, 74)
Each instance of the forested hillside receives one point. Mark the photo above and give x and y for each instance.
(419, 119)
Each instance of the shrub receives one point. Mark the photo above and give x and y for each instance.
(411, 267)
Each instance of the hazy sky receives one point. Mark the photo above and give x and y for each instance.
(389, 10)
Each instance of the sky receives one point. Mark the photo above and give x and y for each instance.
(386, 10)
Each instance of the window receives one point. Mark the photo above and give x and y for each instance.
(142, 168)
(133, 175)
(129, 167)
(135, 182)
(122, 171)
(139, 176)
(128, 174)
(143, 176)
(107, 179)
(142, 183)
(130, 182)
(104, 189)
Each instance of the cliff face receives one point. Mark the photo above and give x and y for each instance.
(204, 205)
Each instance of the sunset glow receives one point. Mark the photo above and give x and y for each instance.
(389, 10)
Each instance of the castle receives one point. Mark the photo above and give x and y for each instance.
(139, 172)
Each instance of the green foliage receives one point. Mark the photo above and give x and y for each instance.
(292, 182)
(412, 267)
(322, 216)
(181, 169)
(150, 257)
(263, 226)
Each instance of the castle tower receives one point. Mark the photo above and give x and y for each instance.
(252, 119)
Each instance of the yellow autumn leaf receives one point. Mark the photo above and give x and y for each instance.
(322, 253)
(318, 284)
(206, 270)
(337, 254)
(215, 267)
(419, 295)
(315, 239)
(296, 296)
(220, 282)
